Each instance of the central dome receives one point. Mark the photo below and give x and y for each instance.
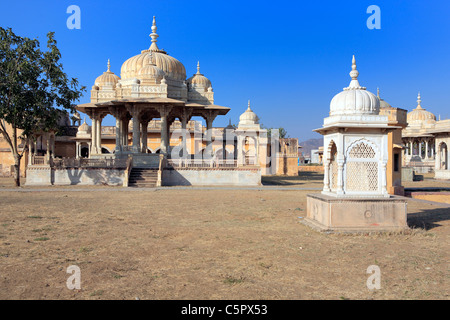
(354, 100)
(172, 68)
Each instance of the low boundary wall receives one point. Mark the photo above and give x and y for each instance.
(211, 177)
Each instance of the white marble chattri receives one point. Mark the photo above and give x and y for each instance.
(355, 143)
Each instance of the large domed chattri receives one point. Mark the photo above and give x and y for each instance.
(420, 115)
(354, 100)
(173, 69)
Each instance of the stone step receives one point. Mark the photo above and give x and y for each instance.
(142, 185)
(143, 177)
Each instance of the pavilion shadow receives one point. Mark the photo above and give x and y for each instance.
(302, 178)
(428, 219)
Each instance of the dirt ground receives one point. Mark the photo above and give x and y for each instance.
(211, 243)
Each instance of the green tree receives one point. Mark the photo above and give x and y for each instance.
(34, 91)
(282, 133)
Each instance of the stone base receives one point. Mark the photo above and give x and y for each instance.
(355, 215)
(442, 174)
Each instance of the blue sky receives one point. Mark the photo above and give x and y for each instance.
(288, 57)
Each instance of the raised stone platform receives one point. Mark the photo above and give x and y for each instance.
(355, 215)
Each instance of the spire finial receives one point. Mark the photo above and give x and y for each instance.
(249, 106)
(378, 93)
(198, 67)
(154, 35)
(354, 84)
(109, 66)
(419, 101)
(354, 73)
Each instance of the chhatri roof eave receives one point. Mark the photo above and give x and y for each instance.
(141, 101)
(356, 125)
(221, 109)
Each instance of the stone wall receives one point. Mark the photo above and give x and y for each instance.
(211, 177)
(310, 168)
(442, 174)
(45, 176)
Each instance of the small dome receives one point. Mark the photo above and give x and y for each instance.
(248, 117)
(151, 72)
(108, 78)
(354, 99)
(199, 80)
(419, 114)
(84, 128)
(383, 104)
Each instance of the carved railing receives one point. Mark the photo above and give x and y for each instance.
(38, 160)
(201, 163)
(89, 163)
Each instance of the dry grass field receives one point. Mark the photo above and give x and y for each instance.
(208, 243)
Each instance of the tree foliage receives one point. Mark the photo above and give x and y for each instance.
(34, 90)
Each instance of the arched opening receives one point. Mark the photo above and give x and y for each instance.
(84, 152)
(105, 150)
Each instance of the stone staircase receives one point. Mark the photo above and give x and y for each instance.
(143, 177)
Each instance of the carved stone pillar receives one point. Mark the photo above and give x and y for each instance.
(99, 133)
(326, 176)
(209, 116)
(164, 112)
(93, 135)
(340, 178)
(134, 110)
(184, 118)
(144, 135)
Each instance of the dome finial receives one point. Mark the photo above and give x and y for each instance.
(154, 35)
(378, 93)
(249, 109)
(419, 101)
(354, 73)
(109, 66)
(198, 67)
(354, 84)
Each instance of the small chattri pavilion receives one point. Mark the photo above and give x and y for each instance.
(356, 152)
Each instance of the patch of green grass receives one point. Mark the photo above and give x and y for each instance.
(232, 280)
(85, 249)
(42, 239)
(96, 293)
(34, 217)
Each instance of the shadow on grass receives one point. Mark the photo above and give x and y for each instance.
(428, 219)
(302, 178)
